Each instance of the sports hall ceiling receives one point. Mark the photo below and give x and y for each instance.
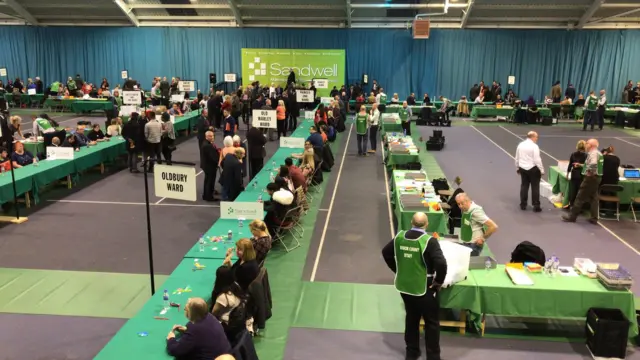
(514, 14)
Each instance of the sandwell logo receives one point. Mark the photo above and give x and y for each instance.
(257, 68)
(230, 211)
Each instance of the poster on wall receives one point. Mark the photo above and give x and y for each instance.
(274, 65)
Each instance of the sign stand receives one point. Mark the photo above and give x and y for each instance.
(17, 219)
(147, 205)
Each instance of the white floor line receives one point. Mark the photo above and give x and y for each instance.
(161, 200)
(129, 203)
(333, 197)
(522, 138)
(386, 187)
(628, 142)
(542, 181)
(572, 136)
(323, 209)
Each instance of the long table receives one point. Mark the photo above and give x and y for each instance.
(392, 159)
(79, 105)
(437, 219)
(492, 111)
(25, 98)
(558, 180)
(127, 344)
(31, 178)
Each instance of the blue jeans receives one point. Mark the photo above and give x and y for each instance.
(362, 144)
(225, 193)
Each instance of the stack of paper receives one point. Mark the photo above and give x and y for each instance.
(518, 276)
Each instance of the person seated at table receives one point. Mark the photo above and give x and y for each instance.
(55, 142)
(30, 84)
(277, 207)
(530, 101)
(71, 142)
(21, 157)
(411, 99)
(547, 101)
(4, 159)
(284, 174)
(227, 296)
(261, 239)
(395, 99)
(320, 115)
(315, 139)
(479, 100)
(114, 129)
(533, 114)
(463, 106)
(566, 101)
(498, 100)
(511, 97)
(307, 166)
(580, 101)
(81, 138)
(96, 133)
(296, 175)
(202, 338)
(87, 88)
(245, 269)
(175, 110)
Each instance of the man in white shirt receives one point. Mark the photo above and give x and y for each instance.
(529, 167)
(381, 97)
(602, 105)
(374, 120)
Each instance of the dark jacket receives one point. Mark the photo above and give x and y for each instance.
(232, 176)
(209, 157)
(256, 141)
(473, 93)
(244, 274)
(578, 157)
(73, 145)
(204, 340)
(164, 89)
(291, 78)
(433, 257)
(570, 92)
(130, 131)
(95, 135)
(202, 127)
(260, 302)
(610, 167)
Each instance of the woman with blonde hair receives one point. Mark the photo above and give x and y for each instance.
(245, 269)
(16, 127)
(308, 164)
(261, 239)
(281, 116)
(576, 161)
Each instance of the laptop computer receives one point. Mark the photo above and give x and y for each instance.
(631, 174)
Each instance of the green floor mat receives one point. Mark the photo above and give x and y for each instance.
(73, 293)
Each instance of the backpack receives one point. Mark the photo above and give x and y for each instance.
(237, 320)
(331, 134)
(440, 184)
(528, 252)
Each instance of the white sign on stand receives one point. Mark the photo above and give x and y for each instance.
(511, 80)
(326, 100)
(3, 71)
(126, 110)
(175, 182)
(177, 98)
(60, 153)
(124, 74)
(230, 77)
(291, 142)
(241, 209)
(31, 91)
(304, 96)
(321, 83)
(187, 85)
(132, 97)
(265, 119)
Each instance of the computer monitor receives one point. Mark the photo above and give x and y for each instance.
(632, 173)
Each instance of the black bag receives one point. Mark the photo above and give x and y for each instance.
(528, 252)
(237, 321)
(440, 184)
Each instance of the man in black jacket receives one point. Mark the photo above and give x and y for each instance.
(164, 92)
(209, 158)
(420, 267)
(216, 109)
(291, 78)
(202, 126)
(256, 141)
(232, 175)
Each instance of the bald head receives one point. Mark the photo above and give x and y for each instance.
(533, 136)
(420, 220)
(592, 144)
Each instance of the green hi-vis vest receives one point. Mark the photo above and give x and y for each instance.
(600, 165)
(404, 114)
(592, 103)
(71, 85)
(158, 91)
(383, 99)
(55, 86)
(466, 232)
(411, 270)
(44, 125)
(361, 124)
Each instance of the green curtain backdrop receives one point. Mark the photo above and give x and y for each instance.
(447, 64)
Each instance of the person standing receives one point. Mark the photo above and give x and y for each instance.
(420, 268)
(168, 138)
(405, 118)
(152, 136)
(281, 119)
(574, 171)
(209, 159)
(374, 120)
(591, 104)
(165, 92)
(232, 175)
(256, 141)
(602, 105)
(556, 92)
(529, 167)
(588, 192)
(130, 132)
(294, 109)
(230, 124)
(475, 225)
(361, 130)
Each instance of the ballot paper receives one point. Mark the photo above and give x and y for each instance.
(518, 276)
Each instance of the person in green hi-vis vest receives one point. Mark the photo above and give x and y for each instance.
(420, 267)
(591, 105)
(475, 225)
(405, 114)
(362, 124)
(588, 192)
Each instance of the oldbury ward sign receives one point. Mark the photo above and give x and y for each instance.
(175, 182)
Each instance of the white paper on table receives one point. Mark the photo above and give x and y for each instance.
(252, 65)
(519, 277)
(563, 164)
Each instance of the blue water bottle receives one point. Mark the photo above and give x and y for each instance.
(165, 300)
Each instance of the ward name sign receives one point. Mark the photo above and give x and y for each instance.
(132, 97)
(304, 96)
(175, 182)
(265, 119)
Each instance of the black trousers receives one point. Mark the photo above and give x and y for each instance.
(531, 178)
(362, 143)
(600, 112)
(406, 126)
(373, 136)
(152, 152)
(282, 127)
(576, 180)
(428, 308)
(209, 184)
(217, 118)
(166, 151)
(132, 159)
(293, 123)
(589, 118)
(255, 165)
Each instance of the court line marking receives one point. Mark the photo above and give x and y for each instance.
(580, 137)
(161, 200)
(599, 223)
(129, 203)
(333, 198)
(323, 209)
(628, 142)
(522, 138)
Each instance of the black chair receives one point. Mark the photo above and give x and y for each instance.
(608, 193)
(243, 349)
(424, 117)
(520, 116)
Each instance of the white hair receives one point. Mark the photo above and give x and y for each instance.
(228, 141)
(236, 139)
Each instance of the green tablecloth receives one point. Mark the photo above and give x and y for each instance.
(79, 105)
(479, 110)
(557, 297)
(25, 98)
(437, 219)
(127, 344)
(394, 158)
(560, 184)
(612, 113)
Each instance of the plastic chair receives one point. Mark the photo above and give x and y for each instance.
(287, 226)
(604, 194)
(634, 201)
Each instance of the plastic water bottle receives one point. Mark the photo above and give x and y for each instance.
(404, 132)
(201, 242)
(487, 264)
(547, 267)
(555, 265)
(272, 178)
(260, 198)
(35, 161)
(274, 164)
(2, 170)
(230, 235)
(240, 223)
(165, 300)
(255, 185)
